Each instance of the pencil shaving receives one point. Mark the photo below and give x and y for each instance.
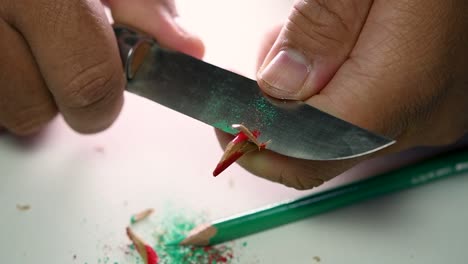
(139, 244)
(244, 142)
(248, 133)
(146, 252)
(141, 216)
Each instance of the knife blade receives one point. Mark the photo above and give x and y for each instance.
(221, 98)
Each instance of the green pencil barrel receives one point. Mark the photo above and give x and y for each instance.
(417, 174)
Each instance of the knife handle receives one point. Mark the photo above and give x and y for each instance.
(133, 47)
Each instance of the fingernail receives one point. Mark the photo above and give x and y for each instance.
(286, 73)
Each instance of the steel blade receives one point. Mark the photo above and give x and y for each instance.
(221, 98)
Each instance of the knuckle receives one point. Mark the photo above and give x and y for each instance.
(25, 127)
(319, 23)
(91, 85)
(301, 183)
(298, 178)
(306, 182)
(306, 174)
(31, 120)
(332, 10)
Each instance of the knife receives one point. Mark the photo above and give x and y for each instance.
(221, 98)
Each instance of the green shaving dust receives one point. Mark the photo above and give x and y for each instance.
(172, 226)
(177, 227)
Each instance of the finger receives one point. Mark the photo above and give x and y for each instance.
(25, 103)
(77, 54)
(384, 86)
(158, 18)
(295, 173)
(377, 89)
(267, 42)
(314, 42)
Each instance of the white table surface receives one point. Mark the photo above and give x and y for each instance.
(82, 189)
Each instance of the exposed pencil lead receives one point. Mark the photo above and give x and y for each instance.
(244, 142)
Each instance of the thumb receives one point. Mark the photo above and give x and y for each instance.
(314, 42)
(158, 18)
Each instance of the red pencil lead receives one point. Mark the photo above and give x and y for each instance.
(244, 142)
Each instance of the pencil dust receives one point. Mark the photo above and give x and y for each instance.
(162, 229)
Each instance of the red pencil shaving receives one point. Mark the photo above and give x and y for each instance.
(244, 142)
(146, 252)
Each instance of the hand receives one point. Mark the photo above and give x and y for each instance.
(398, 68)
(59, 55)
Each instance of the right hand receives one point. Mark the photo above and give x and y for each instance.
(62, 56)
(396, 68)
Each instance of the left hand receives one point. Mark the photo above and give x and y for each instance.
(158, 18)
(75, 68)
(397, 68)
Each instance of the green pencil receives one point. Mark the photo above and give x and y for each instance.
(273, 216)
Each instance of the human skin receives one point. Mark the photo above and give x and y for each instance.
(397, 68)
(62, 56)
